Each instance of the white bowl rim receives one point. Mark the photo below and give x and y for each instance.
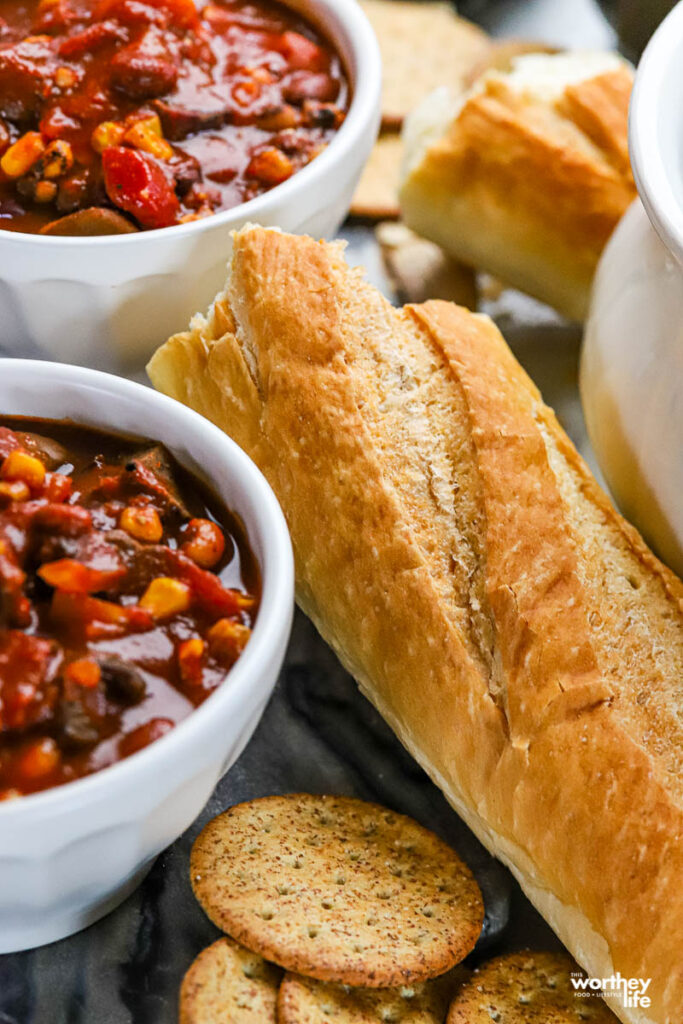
(652, 176)
(277, 578)
(366, 80)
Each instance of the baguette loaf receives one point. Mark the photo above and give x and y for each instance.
(455, 551)
(527, 175)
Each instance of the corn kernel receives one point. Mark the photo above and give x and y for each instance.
(45, 191)
(143, 523)
(21, 155)
(84, 672)
(165, 597)
(20, 466)
(57, 159)
(16, 490)
(270, 165)
(146, 134)
(107, 133)
(190, 658)
(65, 78)
(227, 639)
(205, 544)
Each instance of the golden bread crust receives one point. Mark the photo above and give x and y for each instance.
(526, 188)
(453, 548)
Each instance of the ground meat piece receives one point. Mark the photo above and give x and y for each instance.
(144, 69)
(26, 70)
(151, 470)
(51, 453)
(179, 120)
(306, 85)
(76, 728)
(186, 171)
(94, 220)
(75, 192)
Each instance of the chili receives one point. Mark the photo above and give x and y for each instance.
(125, 115)
(126, 593)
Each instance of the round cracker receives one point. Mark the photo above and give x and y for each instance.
(526, 988)
(228, 984)
(307, 1001)
(337, 889)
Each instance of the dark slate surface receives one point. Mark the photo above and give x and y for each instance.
(318, 734)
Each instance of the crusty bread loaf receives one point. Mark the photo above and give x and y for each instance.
(527, 175)
(454, 549)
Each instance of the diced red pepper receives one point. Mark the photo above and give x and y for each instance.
(136, 183)
(180, 14)
(76, 578)
(54, 17)
(90, 39)
(207, 589)
(14, 605)
(9, 442)
(129, 12)
(66, 520)
(57, 487)
(91, 617)
(27, 693)
(302, 54)
(144, 735)
(83, 672)
(219, 18)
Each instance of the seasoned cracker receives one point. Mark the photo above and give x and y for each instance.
(419, 270)
(376, 196)
(337, 889)
(526, 988)
(226, 984)
(423, 45)
(306, 1001)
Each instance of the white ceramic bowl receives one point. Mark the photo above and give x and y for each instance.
(108, 302)
(632, 363)
(71, 854)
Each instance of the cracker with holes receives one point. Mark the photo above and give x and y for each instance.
(526, 988)
(337, 889)
(307, 1001)
(227, 983)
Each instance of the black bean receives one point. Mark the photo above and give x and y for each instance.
(123, 682)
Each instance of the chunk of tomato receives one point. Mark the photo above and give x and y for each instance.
(180, 13)
(301, 53)
(136, 183)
